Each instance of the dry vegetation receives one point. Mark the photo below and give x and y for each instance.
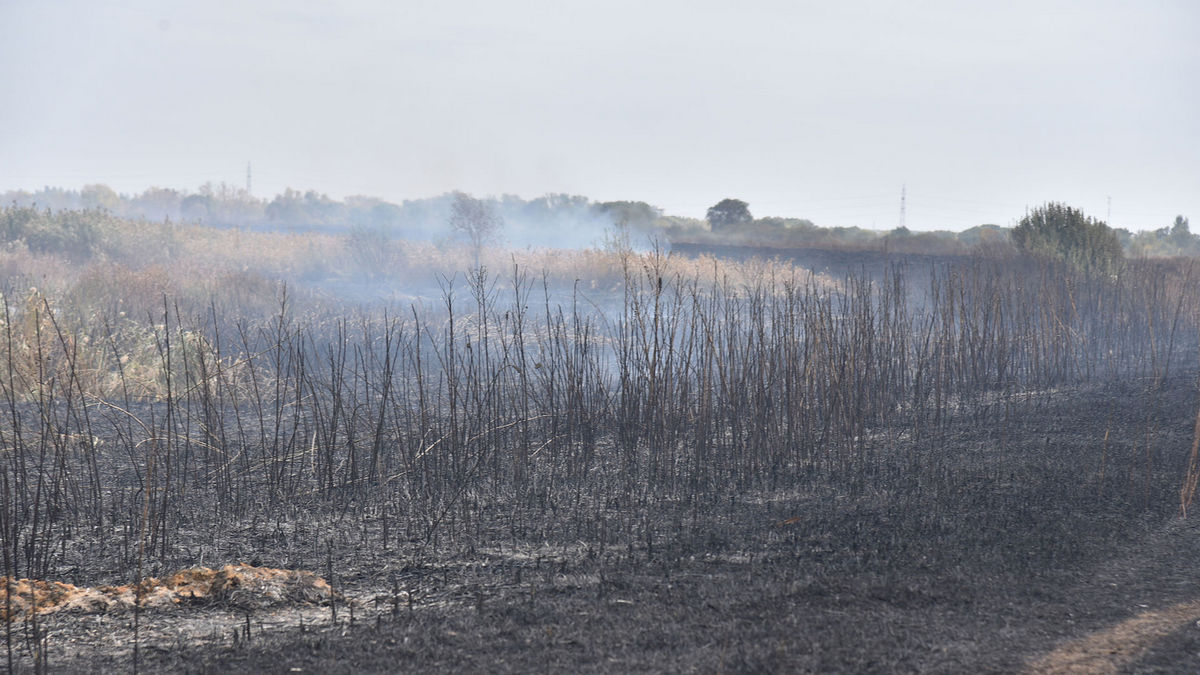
(619, 414)
(241, 585)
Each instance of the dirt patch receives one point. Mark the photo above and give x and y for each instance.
(1111, 650)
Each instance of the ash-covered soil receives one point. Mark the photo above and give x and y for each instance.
(1068, 560)
(1135, 612)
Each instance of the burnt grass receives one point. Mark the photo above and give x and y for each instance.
(1010, 543)
(970, 469)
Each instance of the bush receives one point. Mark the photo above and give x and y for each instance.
(1059, 231)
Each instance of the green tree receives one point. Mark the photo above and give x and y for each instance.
(729, 213)
(634, 215)
(1182, 237)
(1058, 231)
(1180, 229)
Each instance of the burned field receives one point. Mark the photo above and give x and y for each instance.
(986, 470)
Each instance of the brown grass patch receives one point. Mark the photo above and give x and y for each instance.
(242, 586)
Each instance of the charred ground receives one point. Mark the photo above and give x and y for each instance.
(995, 574)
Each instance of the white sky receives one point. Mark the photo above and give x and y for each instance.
(819, 110)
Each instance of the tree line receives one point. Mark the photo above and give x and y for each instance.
(571, 221)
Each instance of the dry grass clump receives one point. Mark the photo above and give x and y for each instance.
(242, 586)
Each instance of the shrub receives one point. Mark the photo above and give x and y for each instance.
(1059, 231)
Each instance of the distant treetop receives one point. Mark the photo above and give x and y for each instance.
(728, 213)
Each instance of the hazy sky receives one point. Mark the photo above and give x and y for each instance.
(821, 110)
